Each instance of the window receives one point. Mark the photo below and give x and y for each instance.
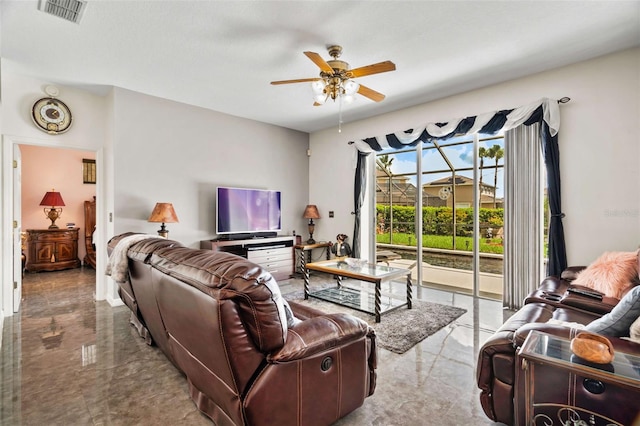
(88, 171)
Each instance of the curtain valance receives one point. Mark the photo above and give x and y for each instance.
(489, 123)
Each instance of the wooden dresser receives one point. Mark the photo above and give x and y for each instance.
(52, 249)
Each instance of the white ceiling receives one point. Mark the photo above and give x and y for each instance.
(222, 55)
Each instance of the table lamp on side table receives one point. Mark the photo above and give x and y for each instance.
(53, 199)
(311, 212)
(163, 213)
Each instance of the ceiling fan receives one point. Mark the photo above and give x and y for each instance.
(336, 79)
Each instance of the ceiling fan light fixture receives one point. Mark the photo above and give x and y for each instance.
(320, 98)
(350, 87)
(335, 80)
(318, 87)
(347, 99)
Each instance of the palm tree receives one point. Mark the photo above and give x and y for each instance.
(384, 162)
(496, 152)
(482, 154)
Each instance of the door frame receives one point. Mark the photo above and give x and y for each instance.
(6, 248)
(16, 212)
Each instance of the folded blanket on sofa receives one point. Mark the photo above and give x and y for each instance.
(118, 264)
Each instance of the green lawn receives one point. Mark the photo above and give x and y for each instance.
(493, 245)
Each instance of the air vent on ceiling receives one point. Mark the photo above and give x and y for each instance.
(71, 10)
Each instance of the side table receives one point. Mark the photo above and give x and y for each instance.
(303, 254)
(561, 388)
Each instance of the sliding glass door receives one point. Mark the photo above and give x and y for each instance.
(397, 236)
(439, 210)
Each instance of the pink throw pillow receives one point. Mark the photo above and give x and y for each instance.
(610, 274)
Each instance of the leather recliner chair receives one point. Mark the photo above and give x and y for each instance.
(220, 320)
(548, 309)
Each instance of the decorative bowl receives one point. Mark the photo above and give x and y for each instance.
(593, 347)
(355, 263)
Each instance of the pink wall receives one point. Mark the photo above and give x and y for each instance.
(46, 168)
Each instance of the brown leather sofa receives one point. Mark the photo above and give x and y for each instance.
(221, 321)
(501, 380)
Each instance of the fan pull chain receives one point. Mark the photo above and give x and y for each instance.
(339, 113)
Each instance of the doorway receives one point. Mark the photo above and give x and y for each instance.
(57, 172)
(12, 283)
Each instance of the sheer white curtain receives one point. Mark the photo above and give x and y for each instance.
(523, 221)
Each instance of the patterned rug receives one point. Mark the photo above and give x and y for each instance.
(398, 330)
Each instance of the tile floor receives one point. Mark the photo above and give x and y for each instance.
(68, 360)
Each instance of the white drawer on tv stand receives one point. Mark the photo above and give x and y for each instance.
(269, 255)
(279, 270)
(273, 254)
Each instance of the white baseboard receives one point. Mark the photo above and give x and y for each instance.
(115, 301)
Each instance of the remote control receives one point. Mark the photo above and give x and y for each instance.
(586, 293)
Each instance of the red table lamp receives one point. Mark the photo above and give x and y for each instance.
(52, 199)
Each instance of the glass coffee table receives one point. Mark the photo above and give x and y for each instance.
(359, 297)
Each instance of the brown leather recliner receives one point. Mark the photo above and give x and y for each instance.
(502, 393)
(220, 319)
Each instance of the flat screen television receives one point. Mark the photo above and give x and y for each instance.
(248, 211)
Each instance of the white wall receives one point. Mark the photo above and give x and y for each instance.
(166, 151)
(19, 92)
(149, 150)
(599, 149)
(2, 314)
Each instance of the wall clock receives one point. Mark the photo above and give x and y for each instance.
(51, 115)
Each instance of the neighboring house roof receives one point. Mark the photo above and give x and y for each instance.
(397, 188)
(459, 180)
(401, 185)
(395, 181)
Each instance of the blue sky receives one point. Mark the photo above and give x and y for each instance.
(460, 156)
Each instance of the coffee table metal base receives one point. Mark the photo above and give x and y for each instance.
(353, 298)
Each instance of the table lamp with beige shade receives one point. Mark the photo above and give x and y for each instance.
(311, 212)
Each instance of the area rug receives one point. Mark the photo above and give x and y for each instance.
(399, 330)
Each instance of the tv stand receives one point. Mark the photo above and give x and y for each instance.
(236, 237)
(274, 254)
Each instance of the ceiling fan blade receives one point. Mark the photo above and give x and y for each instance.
(370, 93)
(321, 63)
(372, 69)
(300, 80)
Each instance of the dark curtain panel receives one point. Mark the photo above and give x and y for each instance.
(358, 200)
(557, 249)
